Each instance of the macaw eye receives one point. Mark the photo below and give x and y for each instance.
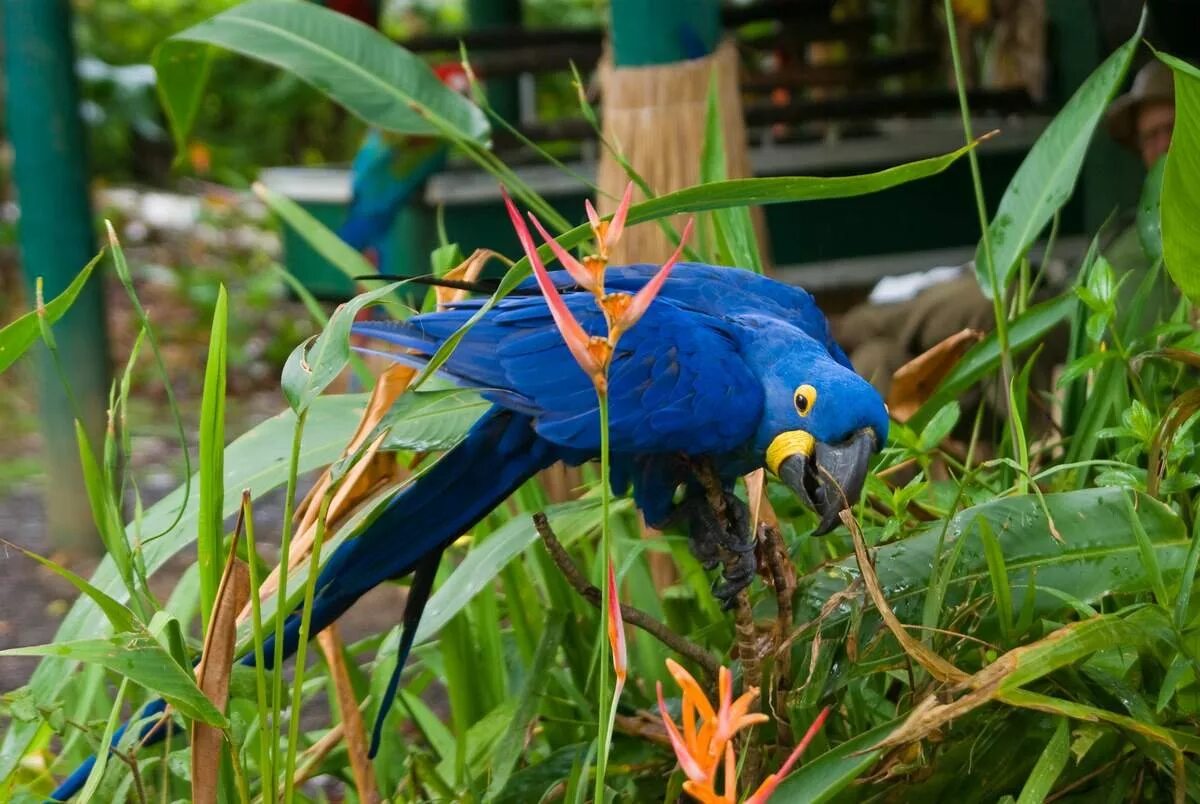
(806, 397)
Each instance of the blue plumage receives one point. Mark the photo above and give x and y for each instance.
(725, 366)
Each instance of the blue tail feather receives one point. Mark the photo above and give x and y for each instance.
(500, 453)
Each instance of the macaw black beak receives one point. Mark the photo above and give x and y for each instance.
(828, 478)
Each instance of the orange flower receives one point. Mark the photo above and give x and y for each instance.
(609, 232)
(616, 632)
(705, 742)
(588, 351)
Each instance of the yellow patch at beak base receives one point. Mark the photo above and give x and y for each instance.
(785, 445)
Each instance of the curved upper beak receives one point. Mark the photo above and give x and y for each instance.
(828, 478)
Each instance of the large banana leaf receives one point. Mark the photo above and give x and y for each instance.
(357, 66)
(1099, 553)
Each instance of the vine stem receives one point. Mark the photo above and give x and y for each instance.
(285, 547)
(998, 308)
(605, 649)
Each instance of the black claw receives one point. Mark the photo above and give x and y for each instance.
(713, 544)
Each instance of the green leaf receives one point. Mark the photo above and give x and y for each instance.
(211, 531)
(311, 368)
(114, 720)
(1180, 193)
(182, 76)
(19, 335)
(735, 234)
(141, 659)
(257, 461)
(120, 617)
(104, 509)
(1049, 766)
(939, 427)
(717, 195)
(425, 421)
(570, 521)
(1025, 331)
(1047, 176)
(824, 777)
(1149, 212)
(1099, 553)
(355, 65)
(325, 242)
(999, 576)
(513, 742)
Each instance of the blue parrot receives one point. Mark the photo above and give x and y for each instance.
(385, 173)
(726, 367)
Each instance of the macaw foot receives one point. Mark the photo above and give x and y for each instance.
(726, 540)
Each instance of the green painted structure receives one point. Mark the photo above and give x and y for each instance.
(57, 240)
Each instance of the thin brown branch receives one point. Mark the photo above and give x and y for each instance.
(629, 614)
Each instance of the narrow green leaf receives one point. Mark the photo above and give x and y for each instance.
(1180, 193)
(513, 742)
(141, 659)
(999, 575)
(114, 720)
(119, 616)
(22, 333)
(717, 195)
(1148, 556)
(939, 427)
(734, 229)
(355, 65)
(211, 531)
(1049, 766)
(104, 509)
(311, 368)
(1047, 176)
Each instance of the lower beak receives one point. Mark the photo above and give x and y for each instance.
(831, 478)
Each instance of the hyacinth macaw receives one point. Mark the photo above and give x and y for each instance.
(725, 366)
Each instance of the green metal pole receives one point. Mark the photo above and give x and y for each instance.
(57, 239)
(502, 93)
(648, 32)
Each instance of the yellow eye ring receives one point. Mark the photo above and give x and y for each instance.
(806, 397)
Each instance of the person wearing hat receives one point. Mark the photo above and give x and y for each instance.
(882, 337)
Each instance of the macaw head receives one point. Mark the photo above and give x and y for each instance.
(821, 422)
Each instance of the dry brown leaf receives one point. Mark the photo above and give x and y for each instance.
(212, 674)
(915, 381)
(361, 480)
(934, 664)
(467, 271)
(391, 384)
(352, 723)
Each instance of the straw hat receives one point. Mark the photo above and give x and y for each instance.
(1153, 83)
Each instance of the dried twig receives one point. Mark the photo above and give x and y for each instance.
(934, 664)
(330, 641)
(629, 614)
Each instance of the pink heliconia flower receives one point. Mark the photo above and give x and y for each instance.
(579, 342)
(691, 767)
(764, 791)
(587, 278)
(616, 632)
(637, 307)
(609, 232)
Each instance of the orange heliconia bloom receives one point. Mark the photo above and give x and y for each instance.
(705, 741)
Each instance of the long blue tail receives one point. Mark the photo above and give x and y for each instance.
(500, 453)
